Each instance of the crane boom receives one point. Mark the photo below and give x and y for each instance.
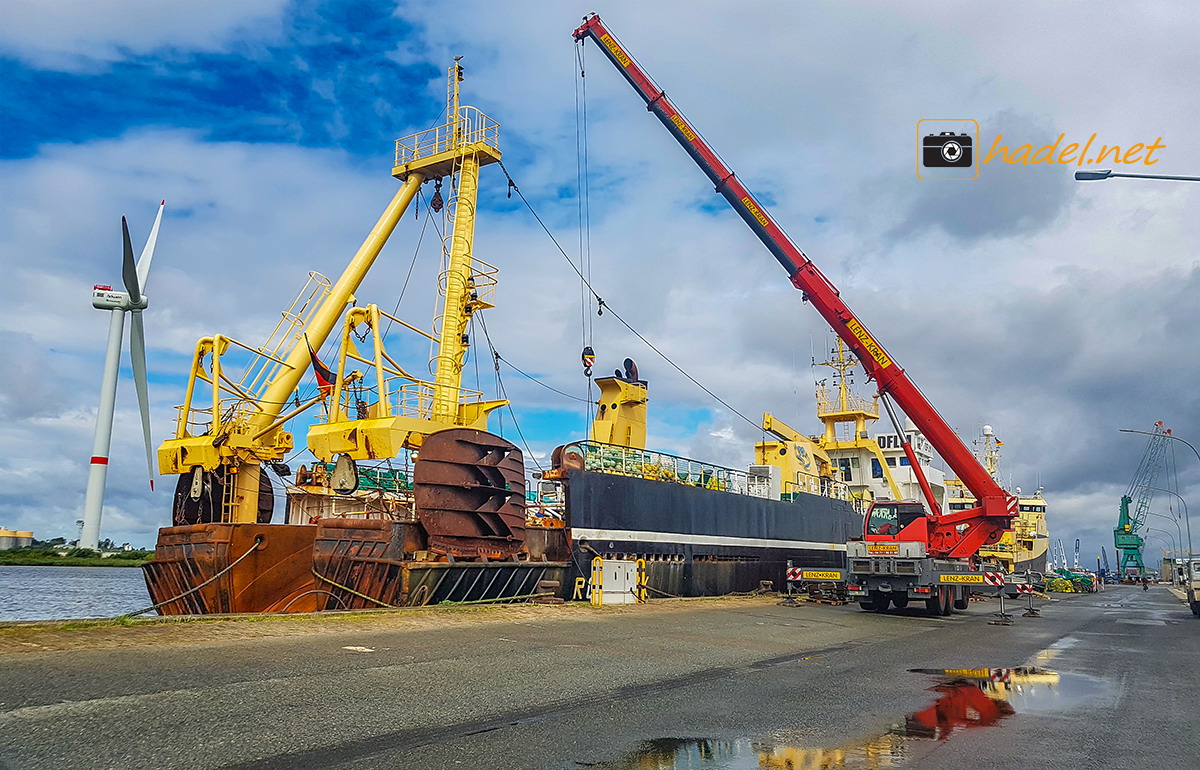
(984, 524)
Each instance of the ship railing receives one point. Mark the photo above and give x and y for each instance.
(472, 127)
(660, 466)
(413, 399)
(807, 483)
(827, 405)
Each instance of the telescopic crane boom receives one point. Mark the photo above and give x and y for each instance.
(982, 525)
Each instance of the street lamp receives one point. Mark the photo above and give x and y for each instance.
(1187, 519)
(1179, 540)
(1168, 540)
(1095, 175)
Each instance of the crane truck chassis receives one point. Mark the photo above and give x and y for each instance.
(880, 575)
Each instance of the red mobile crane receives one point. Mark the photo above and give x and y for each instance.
(930, 543)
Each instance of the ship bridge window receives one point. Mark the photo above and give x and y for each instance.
(904, 462)
(876, 469)
(891, 461)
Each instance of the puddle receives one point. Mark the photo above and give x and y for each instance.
(744, 754)
(962, 699)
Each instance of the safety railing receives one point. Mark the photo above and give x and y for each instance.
(827, 405)
(288, 331)
(809, 484)
(659, 466)
(472, 127)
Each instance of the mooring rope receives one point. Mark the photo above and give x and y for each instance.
(257, 542)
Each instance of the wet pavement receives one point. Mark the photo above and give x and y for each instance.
(1105, 679)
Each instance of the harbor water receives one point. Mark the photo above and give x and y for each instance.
(58, 593)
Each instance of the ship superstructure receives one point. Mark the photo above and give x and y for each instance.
(1024, 546)
(872, 464)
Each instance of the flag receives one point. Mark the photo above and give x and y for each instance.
(999, 442)
(324, 376)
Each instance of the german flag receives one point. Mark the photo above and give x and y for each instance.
(324, 376)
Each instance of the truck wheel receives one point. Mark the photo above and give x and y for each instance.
(879, 601)
(947, 601)
(933, 605)
(900, 602)
(1196, 609)
(961, 602)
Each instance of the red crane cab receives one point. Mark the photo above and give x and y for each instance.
(893, 521)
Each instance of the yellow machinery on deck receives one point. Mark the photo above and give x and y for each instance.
(241, 426)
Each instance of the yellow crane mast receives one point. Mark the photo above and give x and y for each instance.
(242, 427)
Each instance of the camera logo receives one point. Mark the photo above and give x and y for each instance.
(946, 149)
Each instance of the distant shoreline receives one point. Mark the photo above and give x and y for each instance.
(67, 561)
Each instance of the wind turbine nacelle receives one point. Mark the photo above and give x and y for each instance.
(104, 298)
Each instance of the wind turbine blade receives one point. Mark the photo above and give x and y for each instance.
(137, 357)
(143, 265)
(128, 269)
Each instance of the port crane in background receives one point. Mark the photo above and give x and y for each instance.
(1075, 564)
(931, 542)
(1135, 505)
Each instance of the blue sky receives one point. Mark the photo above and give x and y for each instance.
(268, 126)
(326, 82)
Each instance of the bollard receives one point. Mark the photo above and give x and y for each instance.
(640, 591)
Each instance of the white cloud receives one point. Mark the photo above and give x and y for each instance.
(74, 35)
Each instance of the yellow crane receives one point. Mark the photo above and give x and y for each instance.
(241, 426)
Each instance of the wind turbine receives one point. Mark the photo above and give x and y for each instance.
(132, 301)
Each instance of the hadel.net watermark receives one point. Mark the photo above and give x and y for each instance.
(948, 149)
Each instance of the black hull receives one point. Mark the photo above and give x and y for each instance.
(701, 542)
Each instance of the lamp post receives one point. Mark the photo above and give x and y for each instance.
(1179, 540)
(1187, 519)
(1164, 535)
(1095, 175)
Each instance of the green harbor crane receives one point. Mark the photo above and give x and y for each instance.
(1135, 505)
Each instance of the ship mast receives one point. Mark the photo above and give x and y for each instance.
(846, 407)
(459, 300)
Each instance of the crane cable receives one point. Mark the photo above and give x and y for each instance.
(601, 306)
(502, 392)
(583, 196)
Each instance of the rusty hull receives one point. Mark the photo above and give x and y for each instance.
(367, 556)
(275, 577)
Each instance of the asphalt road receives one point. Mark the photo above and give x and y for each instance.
(728, 684)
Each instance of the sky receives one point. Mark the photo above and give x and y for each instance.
(1056, 311)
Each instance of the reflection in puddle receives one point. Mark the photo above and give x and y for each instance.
(965, 698)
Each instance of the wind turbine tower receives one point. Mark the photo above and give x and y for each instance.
(132, 301)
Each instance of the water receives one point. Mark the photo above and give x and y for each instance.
(56, 593)
(962, 699)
